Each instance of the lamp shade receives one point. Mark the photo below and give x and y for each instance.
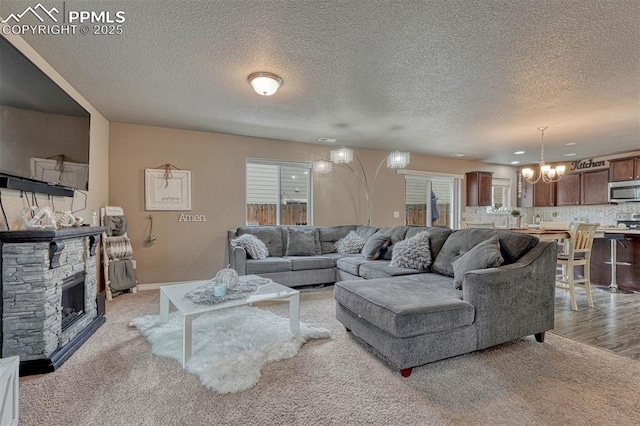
(341, 155)
(322, 166)
(527, 173)
(265, 83)
(398, 160)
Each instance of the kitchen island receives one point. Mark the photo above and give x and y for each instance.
(628, 255)
(628, 258)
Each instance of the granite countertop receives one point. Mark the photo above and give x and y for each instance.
(619, 231)
(600, 233)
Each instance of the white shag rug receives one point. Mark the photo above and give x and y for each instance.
(230, 346)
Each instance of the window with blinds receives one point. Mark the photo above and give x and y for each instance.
(278, 193)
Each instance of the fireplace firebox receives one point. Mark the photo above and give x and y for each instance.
(72, 299)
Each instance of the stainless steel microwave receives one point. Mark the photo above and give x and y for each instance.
(622, 192)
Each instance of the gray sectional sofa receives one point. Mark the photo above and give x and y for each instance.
(413, 317)
(317, 267)
(322, 265)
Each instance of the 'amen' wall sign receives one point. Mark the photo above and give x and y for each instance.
(192, 218)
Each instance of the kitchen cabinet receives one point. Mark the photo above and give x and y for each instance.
(595, 187)
(583, 188)
(568, 190)
(479, 188)
(540, 194)
(624, 169)
(544, 194)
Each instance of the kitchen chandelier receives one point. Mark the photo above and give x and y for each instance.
(547, 173)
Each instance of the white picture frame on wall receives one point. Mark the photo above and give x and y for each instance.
(164, 192)
(71, 174)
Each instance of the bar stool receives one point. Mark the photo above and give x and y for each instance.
(578, 254)
(614, 239)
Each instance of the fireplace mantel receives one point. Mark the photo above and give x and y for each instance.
(48, 235)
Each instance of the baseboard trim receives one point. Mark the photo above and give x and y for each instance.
(156, 286)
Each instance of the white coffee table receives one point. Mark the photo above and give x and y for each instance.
(189, 310)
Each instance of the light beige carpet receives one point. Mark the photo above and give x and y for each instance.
(114, 380)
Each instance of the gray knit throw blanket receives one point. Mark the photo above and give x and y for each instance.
(203, 295)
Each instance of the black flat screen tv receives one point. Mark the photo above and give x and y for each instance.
(44, 132)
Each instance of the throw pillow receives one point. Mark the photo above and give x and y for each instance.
(254, 246)
(484, 255)
(301, 242)
(375, 244)
(352, 243)
(412, 253)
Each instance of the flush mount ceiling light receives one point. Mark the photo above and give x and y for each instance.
(265, 83)
(546, 172)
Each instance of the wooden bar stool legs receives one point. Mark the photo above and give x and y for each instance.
(587, 283)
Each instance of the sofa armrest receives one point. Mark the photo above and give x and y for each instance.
(238, 260)
(237, 255)
(515, 300)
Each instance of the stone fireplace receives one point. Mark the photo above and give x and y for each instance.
(49, 303)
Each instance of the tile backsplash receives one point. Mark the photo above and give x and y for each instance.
(604, 214)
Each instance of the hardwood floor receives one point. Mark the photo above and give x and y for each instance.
(613, 323)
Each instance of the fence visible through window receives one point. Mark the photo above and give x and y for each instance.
(266, 214)
(278, 193)
(430, 201)
(416, 214)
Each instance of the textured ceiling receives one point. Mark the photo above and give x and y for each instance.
(435, 77)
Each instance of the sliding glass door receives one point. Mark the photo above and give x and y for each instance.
(432, 200)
